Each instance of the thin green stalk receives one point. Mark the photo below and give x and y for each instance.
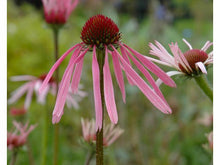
(45, 137)
(204, 85)
(56, 127)
(14, 157)
(99, 134)
(89, 157)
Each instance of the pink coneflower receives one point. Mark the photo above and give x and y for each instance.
(17, 111)
(191, 63)
(32, 86)
(101, 34)
(111, 132)
(58, 11)
(15, 139)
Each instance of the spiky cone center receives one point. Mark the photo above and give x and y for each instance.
(193, 56)
(100, 30)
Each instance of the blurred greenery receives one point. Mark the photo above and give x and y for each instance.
(150, 137)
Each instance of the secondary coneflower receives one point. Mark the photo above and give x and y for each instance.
(32, 86)
(111, 132)
(191, 63)
(58, 11)
(101, 36)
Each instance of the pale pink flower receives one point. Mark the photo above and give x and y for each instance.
(110, 134)
(32, 86)
(210, 139)
(101, 33)
(206, 119)
(191, 63)
(58, 11)
(19, 136)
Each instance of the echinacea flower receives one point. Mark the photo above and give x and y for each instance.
(101, 34)
(33, 85)
(17, 111)
(15, 139)
(191, 63)
(111, 132)
(58, 11)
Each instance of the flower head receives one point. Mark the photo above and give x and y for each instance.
(111, 132)
(15, 139)
(58, 11)
(32, 85)
(100, 33)
(191, 63)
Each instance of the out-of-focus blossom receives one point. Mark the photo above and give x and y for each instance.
(111, 132)
(206, 119)
(210, 140)
(209, 146)
(17, 111)
(101, 34)
(19, 137)
(191, 63)
(32, 85)
(58, 11)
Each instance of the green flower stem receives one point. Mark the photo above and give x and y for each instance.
(45, 136)
(204, 85)
(14, 156)
(99, 134)
(89, 157)
(56, 127)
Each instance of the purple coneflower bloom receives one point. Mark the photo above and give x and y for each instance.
(191, 63)
(111, 132)
(32, 85)
(100, 33)
(15, 139)
(58, 11)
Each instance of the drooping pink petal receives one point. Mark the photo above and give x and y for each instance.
(118, 74)
(153, 68)
(147, 91)
(76, 76)
(96, 90)
(170, 73)
(124, 55)
(63, 90)
(201, 66)
(109, 91)
(54, 67)
(146, 74)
